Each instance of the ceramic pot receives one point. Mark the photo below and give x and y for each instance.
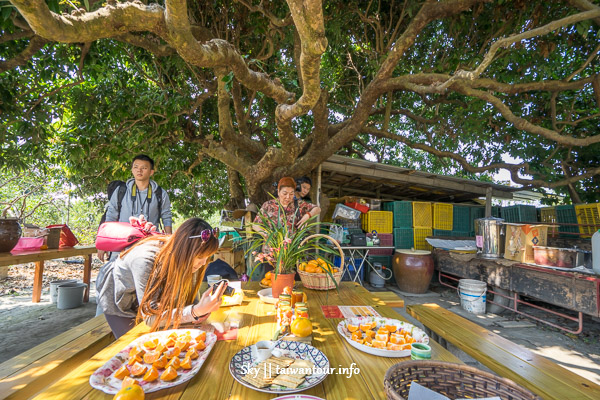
(282, 281)
(10, 232)
(413, 270)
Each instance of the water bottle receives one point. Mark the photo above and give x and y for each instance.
(596, 252)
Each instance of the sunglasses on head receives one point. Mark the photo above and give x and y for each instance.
(205, 234)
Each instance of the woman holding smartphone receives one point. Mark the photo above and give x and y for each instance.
(157, 279)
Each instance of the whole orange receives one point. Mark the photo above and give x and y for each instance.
(301, 327)
(133, 392)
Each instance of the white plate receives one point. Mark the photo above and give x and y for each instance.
(298, 397)
(245, 359)
(416, 333)
(266, 295)
(103, 378)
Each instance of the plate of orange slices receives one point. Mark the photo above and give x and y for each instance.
(383, 337)
(155, 361)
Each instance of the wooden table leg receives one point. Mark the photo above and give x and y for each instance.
(87, 275)
(37, 281)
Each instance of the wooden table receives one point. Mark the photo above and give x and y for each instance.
(38, 257)
(214, 381)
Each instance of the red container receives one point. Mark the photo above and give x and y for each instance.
(363, 208)
(385, 239)
(554, 256)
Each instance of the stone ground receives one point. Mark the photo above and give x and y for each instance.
(24, 324)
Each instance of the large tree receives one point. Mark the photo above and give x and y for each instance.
(232, 94)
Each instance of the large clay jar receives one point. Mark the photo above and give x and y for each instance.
(281, 282)
(413, 270)
(10, 232)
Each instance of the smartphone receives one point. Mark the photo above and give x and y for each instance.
(229, 291)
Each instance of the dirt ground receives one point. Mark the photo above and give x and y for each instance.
(42, 321)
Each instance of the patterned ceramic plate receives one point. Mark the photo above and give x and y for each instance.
(266, 295)
(104, 379)
(416, 333)
(243, 360)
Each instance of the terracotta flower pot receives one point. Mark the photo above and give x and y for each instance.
(10, 232)
(282, 281)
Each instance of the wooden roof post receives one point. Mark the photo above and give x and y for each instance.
(488, 202)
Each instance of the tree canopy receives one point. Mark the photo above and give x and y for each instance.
(228, 96)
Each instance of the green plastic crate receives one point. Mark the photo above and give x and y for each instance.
(460, 234)
(520, 213)
(566, 215)
(476, 213)
(441, 232)
(403, 213)
(461, 218)
(404, 238)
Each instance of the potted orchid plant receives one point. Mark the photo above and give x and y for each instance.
(284, 247)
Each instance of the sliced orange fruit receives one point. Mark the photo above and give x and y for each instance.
(200, 346)
(192, 354)
(151, 344)
(174, 363)
(170, 342)
(201, 337)
(151, 375)
(410, 339)
(132, 392)
(134, 359)
(394, 347)
(368, 339)
(128, 381)
(352, 328)
(136, 351)
(161, 362)
(397, 339)
(391, 328)
(173, 352)
(169, 374)
(183, 343)
(373, 325)
(360, 341)
(173, 335)
(382, 337)
(365, 327)
(122, 372)
(161, 347)
(407, 346)
(138, 369)
(370, 333)
(151, 356)
(186, 363)
(356, 335)
(382, 331)
(379, 344)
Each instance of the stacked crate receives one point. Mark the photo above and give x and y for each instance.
(548, 215)
(442, 219)
(461, 221)
(520, 214)
(380, 221)
(422, 224)
(588, 217)
(566, 215)
(476, 213)
(403, 216)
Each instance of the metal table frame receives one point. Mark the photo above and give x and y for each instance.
(356, 250)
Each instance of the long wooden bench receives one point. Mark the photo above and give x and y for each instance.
(538, 374)
(30, 372)
(390, 299)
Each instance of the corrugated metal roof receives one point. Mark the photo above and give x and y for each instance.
(344, 176)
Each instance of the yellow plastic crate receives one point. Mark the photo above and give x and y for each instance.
(548, 214)
(380, 221)
(419, 238)
(588, 214)
(422, 216)
(442, 216)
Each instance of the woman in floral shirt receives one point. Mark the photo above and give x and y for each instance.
(296, 212)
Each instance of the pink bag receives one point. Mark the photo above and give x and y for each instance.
(116, 236)
(28, 244)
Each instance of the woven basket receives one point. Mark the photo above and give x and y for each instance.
(451, 380)
(323, 281)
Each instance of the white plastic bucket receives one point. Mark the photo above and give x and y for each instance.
(472, 295)
(54, 288)
(70, 295)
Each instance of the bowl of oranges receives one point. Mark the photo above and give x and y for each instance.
(380, 336)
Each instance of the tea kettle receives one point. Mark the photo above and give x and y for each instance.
(375, 239)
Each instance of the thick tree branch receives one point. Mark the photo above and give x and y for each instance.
(153, 45)
(35, 44)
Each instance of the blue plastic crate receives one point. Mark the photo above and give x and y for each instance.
(349, 272)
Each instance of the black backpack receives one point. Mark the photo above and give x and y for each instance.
(122, 187)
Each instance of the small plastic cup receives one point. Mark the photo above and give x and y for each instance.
(420, 351)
